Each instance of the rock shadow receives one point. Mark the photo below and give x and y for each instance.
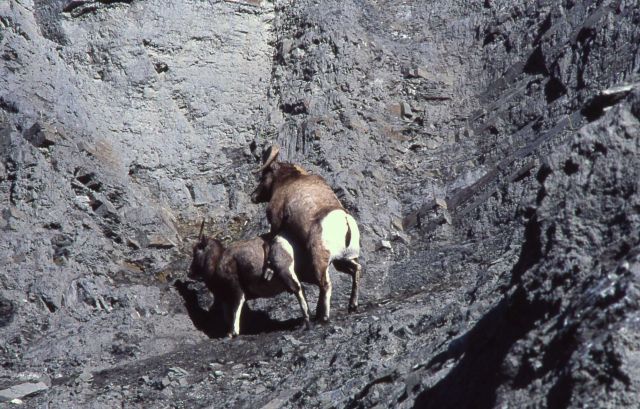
(212, 322)
(473, 382)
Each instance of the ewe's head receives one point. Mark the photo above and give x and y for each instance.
(206, 253)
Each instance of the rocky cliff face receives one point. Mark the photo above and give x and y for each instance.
(489, 152)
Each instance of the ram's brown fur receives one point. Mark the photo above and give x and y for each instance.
(298, 202)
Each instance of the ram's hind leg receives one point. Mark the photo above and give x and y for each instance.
(321, 270)
(353, 268)
(323, 310)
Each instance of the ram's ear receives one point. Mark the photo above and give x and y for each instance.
(268, 157)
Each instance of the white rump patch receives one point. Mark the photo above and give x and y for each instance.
(335, 226)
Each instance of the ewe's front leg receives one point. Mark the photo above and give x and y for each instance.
(236, 310)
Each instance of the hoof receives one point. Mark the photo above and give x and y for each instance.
(353, 308)
(306, 326)
(323, 319)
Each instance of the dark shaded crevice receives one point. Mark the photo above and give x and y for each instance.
(47, 14)
(559, 395)
(8, 106)
(597, 106)
(294, 108)
(542, 29)
(570, 167)
(536, 63)
(531, 251)
(7, 311)
(78, 8)
(389, 378)
(36, 137)
(49, 304)
(473, 382)
(554, 89)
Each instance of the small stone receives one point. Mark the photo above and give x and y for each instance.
(165, 382)
(416, 72)
(420, 73)
(401, 237)
(85, 376)
(431, 144)
(178, 370)
(133, 244)
(104, 208)
(158, 241)
(82, 202)
(215, 365)
(396, 222)
(441, 202)
(22, 390)
(292, 340)
(17, 401)
(218, 373)
(405, 110)
(39, 136)
(73, 4)
(385, 244)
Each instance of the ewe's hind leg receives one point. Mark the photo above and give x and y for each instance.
(281, 259)
(292, 284)
(295, 287)
(236, 309)
(353, 268)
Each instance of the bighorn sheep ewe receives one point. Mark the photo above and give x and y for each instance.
(234, 274)
(303, 208)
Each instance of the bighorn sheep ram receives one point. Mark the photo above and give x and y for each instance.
(235, 274)
(304, 209)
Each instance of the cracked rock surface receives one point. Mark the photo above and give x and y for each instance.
(489, 151)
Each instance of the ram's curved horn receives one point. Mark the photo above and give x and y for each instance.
(271, 154)
(200, 235)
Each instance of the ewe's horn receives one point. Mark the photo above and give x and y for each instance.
(272, 152)
(200, 236)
